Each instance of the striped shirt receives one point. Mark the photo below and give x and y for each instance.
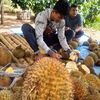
(41, 23)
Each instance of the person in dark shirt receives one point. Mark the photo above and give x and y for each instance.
(74, 23)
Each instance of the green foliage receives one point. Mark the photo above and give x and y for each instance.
(35, 5)
(89, 9)
(39, 5)
(22, 3)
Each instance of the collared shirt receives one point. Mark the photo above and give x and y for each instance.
(41, 23)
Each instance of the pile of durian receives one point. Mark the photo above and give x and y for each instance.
(19, 49)
(94, 48)
(50, 79)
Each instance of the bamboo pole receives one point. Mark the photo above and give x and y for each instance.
(8, 45)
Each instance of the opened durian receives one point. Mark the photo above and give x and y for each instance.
(92, 46)
(18, 52)
(94, 56)
(47, 79)
(74, 44)
(6, 95)
(71, 66)
(84, 69)
(5, 56)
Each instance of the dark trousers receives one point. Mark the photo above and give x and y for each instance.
(50, 40)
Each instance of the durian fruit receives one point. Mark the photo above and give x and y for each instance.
(28, 53)
(80, 89)
(71, 66)
(97, 52)
(93, 80)
(6, 95)
(74, 44)
(75, 54)
(5, 81)
(92, 46)
(99, 75)
(98, 62)
(89, 62)
(93, 97)
(5, 56)
(20, 81)
(94, 56)
(76, 74)
(47, 79)
(18, 52)
(90, 40)
(17, 91)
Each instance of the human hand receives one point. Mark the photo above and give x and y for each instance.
(54, 54)
(66, 54)
(38, 56)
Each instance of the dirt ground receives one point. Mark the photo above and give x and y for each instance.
(10, 21)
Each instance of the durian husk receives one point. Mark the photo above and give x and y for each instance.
(92, 46)
(93, 81)
(74, 44)
(98, 62)
(17, 91)
(80, 89)
(90, 40)
(76, 74)
(93, 97)
(71, 66)
(5, 81)
(47, 79)
(89, 62)
(5, 56)
(84, 69)
(6, 95)
(94, 56)
(18, 52)
(97, 51)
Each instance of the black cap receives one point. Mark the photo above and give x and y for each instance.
(62, 7)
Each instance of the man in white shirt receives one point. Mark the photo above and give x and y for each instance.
(49, 31)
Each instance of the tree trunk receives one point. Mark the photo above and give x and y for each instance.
(2, 11)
